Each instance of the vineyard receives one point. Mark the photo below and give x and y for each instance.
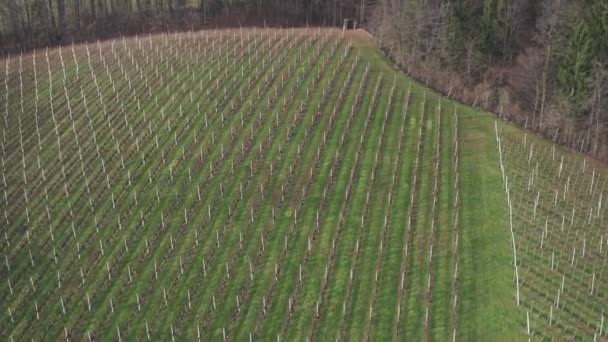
(559, 236)
(280, 184)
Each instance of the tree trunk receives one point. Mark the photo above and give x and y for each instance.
(536, 101)
(28, 22)
(128, 8)
(544, 90)
(203, 7)
(334, 16)
(61, 16)
(77, 14)
(93, 9)
(362, 12)
(597, 135)
(596, 109)
(14, 20)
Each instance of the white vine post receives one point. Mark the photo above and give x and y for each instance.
(506, 184)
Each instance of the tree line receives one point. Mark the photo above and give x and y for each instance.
(27, 24)
(541, 63)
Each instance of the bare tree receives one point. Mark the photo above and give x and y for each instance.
(61, 19)
(76, 9)
(93, 7)
(16, 22)
(598, 114)
(547, 28)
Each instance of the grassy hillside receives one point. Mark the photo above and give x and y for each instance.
(265, 184)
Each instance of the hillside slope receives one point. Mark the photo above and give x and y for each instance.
(264, 184)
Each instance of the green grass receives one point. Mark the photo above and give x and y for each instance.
(486, 290)
(209, 175)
